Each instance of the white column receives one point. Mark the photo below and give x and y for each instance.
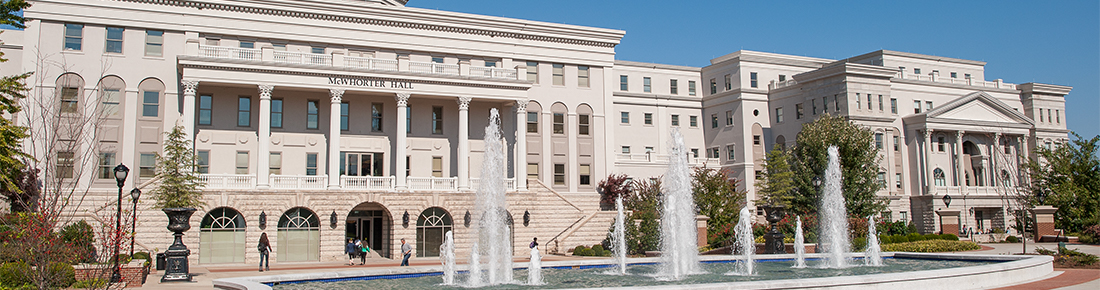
(890, 155)
(572, 178)
(263, 145)
(399, 151)
(188, 120)
(929, 179)
(463, 143)
(960, 176)
(521, 145)
(334, 138)
(995, 175)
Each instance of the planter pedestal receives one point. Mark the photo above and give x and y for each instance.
(177, 270)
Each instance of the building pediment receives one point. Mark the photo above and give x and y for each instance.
(975, 110)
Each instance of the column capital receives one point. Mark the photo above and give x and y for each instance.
(189, 85)
(927, 134)
(402, 99)
(959, 133)
(337, 95)
(521, 105)
(464, 103)
(265, 91)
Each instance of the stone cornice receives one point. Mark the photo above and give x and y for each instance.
(656, 96)
(656, 66)
(854, 69)
(771, 58)
(1046, 89)
(413, 18)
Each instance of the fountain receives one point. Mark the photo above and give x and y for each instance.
(679, 253)
(447, 258)
(799, 245)
(534, 271)
(873, 255)
(618, 239)
(473, 278)
(746, 265)
(492, 227)
(834, 216)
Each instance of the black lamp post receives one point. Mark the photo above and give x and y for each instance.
(817, 183)
(120, 178)
(134, 194)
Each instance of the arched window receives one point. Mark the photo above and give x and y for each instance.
(70, 92)
(941, 180)
(222, 236)
(152, 91)
(299, 236)
(431, 226)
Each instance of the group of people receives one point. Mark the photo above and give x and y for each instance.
(357, 248)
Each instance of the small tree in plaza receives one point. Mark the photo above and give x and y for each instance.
(1067, 176)
(776, 187)
(179, 184)
(612, 188)
(717, 197)
(858, 162)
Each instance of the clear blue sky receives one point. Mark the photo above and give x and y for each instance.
(1054, 42)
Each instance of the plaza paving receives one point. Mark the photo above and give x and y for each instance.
(1062, 279)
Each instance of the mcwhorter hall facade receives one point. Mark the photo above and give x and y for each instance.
(314, 120)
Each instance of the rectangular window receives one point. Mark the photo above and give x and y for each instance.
(206, 105)
(675, 120)
(878, 141)
(311, 164)
(242, 162)
(779, 115)
(940, 144)
(731, 152)
(202, 161)
(437, 120)
(70, 100)
(213, 41)
(247, 44)
(897, 177)
(376, 110)
(836, 102)
(713, 87)
(672, 87)
(148, 165)
(813, 106)
(312, 114)
(559, 123)
(691, 88)
(585, 174)
(532, 171)
(694, 152)
(859, 102)
(623, 85)
(880, 105)
(321, 50)
(275, 163)
(954, 75)
(782, 78)
(648, 120)
(114, 39)
(582, 76)
(345, 116)
(798, 111)
(693, 121)
(882, 179)
(897, 146)
(869, 101)
(65, 161)
(74, 35)
(490, 63)
(361, 164)
(624, 117)
(916, 70)
(728, 82)
(532, 122)
(648, 149)
(1040, 115)
(111, 99)
(647, 85)
(1048, 115)
(437, 166)
(825, 104)
(276, 113)
(755, 139)
(729, 118)
(150, 104)
(583, 124)
(533, 72)
(893, 106)
(559, 74)
(714, 120)
(752, 79)
(1058, 116)
(626, 149)
(559, 174)
(244, 111)
(916, 107)
(106, 165)
(927, 105)
(408, 121)
(966, 76)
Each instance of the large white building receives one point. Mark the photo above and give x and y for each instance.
(320, 120)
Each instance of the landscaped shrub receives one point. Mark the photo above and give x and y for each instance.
(597, 250)
(859, 244)
(61, 275)
(13, 274)
(1012, 239)
(914, 237)
(90, 284)
(950, 237)
(578, 249)
(81, 238)
(931, 246)
(1090, 235)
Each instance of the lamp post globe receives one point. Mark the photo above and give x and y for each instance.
(121, 171)
(134, 195)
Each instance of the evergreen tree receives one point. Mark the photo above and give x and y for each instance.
(858, 164)
(777, 185)
(12, 89)
(179, 184)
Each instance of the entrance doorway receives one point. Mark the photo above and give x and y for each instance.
(371, 223)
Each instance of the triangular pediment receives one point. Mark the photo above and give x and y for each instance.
(978, 106)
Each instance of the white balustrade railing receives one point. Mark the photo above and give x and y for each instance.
(367, 182)
(370, 63)
(229, 52)
(302, 58)
(228, 181)
(299, 181)
(783, 84)
(509, 183)
(433, 183)
(959, 81)
(433, 68)
(492, 72)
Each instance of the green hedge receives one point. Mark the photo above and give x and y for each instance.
(931, 246)
(595, 250)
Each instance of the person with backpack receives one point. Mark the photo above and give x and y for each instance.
(351, 251)
(265, 251)
(364, 249)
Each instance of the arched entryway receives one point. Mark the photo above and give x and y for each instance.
(973, 164)
(432, 224)
(299, 236)
(222, 236)
(371, 222)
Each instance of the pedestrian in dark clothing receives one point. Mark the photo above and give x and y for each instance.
(351, 251)
(265, 251)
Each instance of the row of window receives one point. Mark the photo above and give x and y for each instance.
(879, 145)
(558, 74)
(917, 70)
(584, 123)
(1056, 115)
(74, 39)
(728, 81)
(244, 114)
(673, 85)
(584, 174)
(647, 119)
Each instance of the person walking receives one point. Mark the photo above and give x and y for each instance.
(406, 252)
(351, 251)
(361, 250)
(534, 243)
(265, 251)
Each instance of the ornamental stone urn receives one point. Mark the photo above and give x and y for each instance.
(179, 221)
(773, 240)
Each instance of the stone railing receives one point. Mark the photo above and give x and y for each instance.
(968, 189)
(433, 183)
(367, 182)
(320, 182)
(781, 84)
(963, 81)
(299, 181)
(228, 181)
(509, 184)
(663, 158)
(338, 59)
